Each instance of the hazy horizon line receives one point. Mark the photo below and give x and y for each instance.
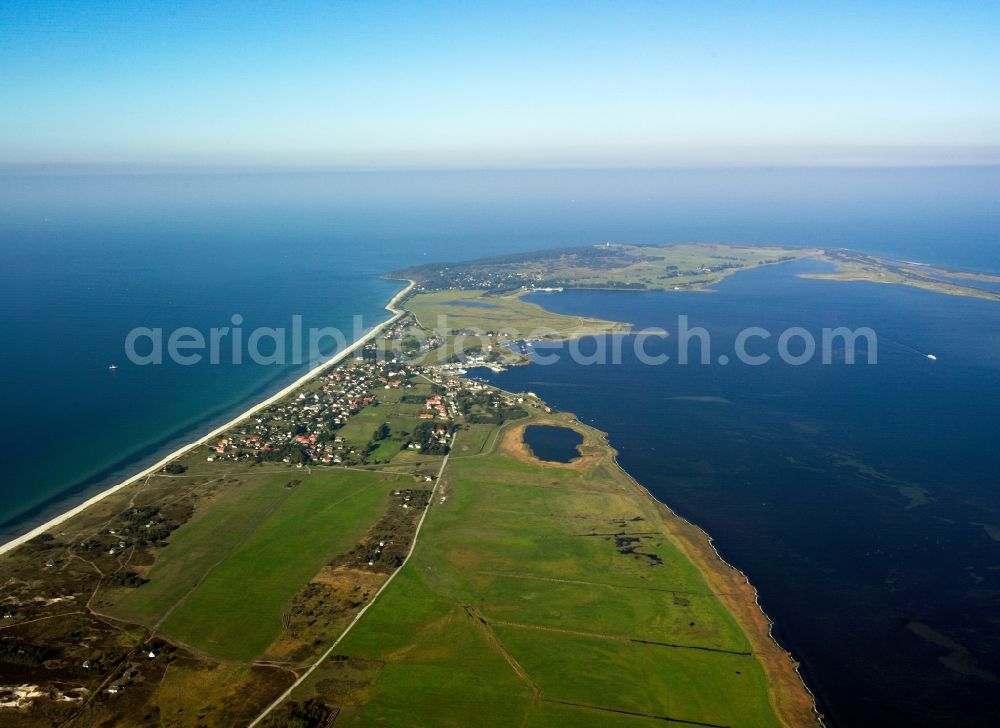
(109, 169)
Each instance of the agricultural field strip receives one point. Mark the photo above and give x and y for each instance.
(254, 479)
(71, 554)
(585, 491)
(200, 621)
(236, 547)
(612, 637)
(329, 651)
(254, 525)
(581, 582)
(586, 583)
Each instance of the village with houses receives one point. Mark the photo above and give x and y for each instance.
(336, 419)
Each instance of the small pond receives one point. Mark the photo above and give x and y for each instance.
(555, 444)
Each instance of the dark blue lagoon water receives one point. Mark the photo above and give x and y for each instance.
(852, 496)
(863, 501)
(555, 444)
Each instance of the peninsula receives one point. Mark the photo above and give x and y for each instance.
(379, 543)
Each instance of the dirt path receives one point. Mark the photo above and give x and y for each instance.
(491, 637)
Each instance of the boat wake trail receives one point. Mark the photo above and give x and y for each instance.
(907, 347)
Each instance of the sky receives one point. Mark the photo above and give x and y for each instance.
(468, 84)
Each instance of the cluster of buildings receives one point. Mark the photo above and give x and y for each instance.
(491, 279)
(403, 340)
(436, 405)
(304, 427)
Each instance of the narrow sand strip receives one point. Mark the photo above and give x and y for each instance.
(315, 371)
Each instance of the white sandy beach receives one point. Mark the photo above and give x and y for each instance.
(391, 306)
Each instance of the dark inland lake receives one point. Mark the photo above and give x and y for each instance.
(861, 500)
(554, 444)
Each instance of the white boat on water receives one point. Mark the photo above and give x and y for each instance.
(932, 357)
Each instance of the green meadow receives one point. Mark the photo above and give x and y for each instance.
(227, 575)
(520, 606)
(477, 311)
(402, 418)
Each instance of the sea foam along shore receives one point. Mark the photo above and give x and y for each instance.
(392, 306)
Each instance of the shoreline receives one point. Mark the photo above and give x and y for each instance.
(392, 307)
(786, 661)
(793, 701)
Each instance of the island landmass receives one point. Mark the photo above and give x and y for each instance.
(377, 542)
(679, 267)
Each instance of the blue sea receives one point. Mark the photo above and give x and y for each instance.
(861, 500)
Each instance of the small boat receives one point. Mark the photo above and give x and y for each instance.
(932, 357)
(112, 367)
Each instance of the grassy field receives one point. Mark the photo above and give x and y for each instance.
(359, 429)
(527, 602)
(228, 576)
(497, 313)
(506, 315)
(207, 539)
(474, 439)
(225, 693)
(401, 417)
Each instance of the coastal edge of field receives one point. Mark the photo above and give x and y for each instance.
(544, 592)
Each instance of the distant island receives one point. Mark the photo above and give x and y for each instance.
(487, 321)
(677, 267)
